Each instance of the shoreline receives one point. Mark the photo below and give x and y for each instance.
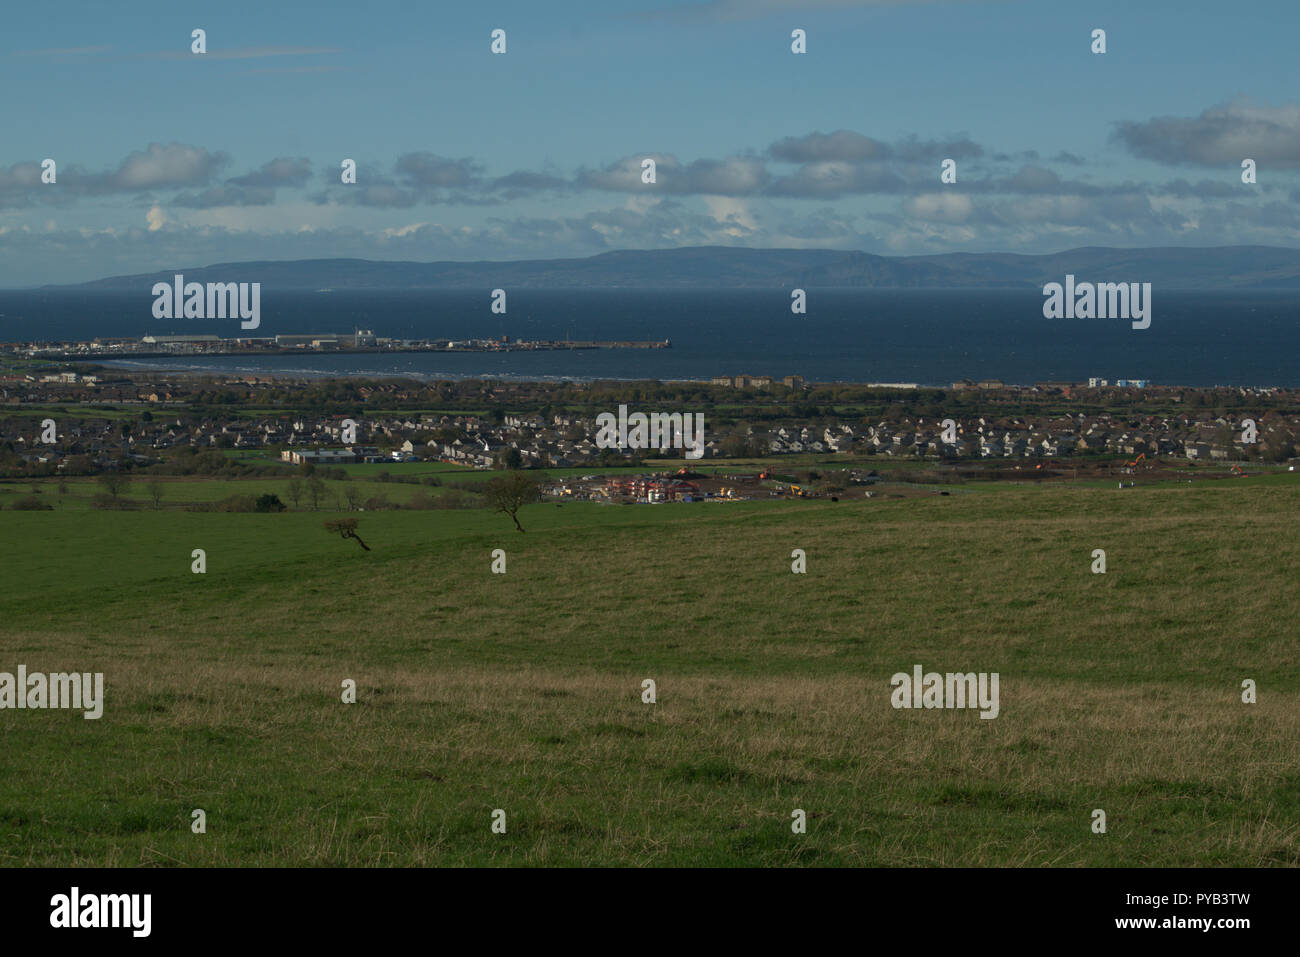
(127, 366)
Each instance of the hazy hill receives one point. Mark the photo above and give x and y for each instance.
(1226, 267)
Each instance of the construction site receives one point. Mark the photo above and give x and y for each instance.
(685, 485)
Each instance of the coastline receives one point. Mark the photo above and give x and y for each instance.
(129, 366)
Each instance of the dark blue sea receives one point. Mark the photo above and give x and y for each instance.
(848, 335)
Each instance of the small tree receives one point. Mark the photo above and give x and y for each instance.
(115, 482)
(347, 528)
(353, 495)
(156, 489)
(295, 491)
(511, 492)
(315, 491)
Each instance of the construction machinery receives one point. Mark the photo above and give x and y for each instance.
(1130, 466)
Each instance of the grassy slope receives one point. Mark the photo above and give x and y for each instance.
(522, 692)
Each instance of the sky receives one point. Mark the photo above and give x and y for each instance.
(166, 158)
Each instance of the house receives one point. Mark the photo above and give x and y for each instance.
(319, 456)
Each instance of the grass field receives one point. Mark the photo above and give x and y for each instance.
(522, 691)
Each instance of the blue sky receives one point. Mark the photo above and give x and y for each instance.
(166, 158)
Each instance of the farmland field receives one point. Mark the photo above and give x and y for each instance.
(523, 691)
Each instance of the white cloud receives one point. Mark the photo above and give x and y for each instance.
(174, 164)
(733, 215)
(400, 231)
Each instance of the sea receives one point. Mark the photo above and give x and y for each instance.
(927, 337)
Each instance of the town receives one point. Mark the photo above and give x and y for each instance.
(104, 420)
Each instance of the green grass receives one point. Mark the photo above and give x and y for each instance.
(522, 692)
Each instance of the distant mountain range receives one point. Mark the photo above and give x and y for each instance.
(705, 267)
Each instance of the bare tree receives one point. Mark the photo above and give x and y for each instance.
(346, 527)
(156, 489)
(115, 482)
(315, 491)
(353, 495)
(295, 491)
(511, 492)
